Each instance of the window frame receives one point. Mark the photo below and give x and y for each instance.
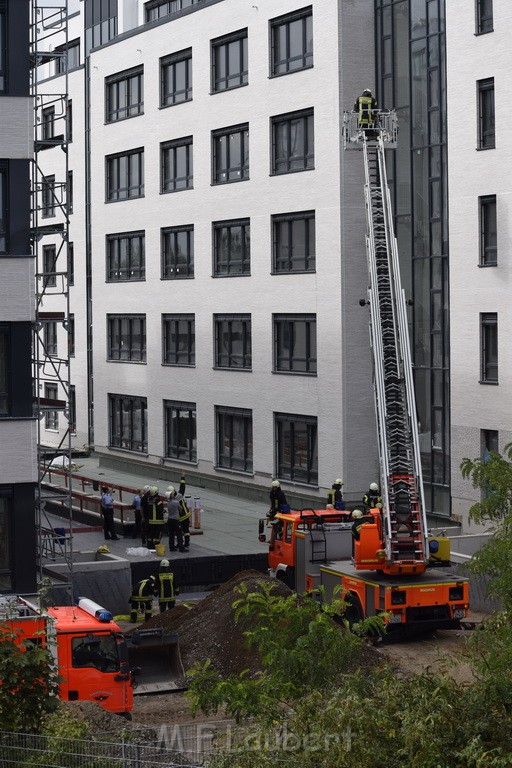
(179, 326)
(241, 77)
(488, 215)
(225, 420)
(168, 73)
(48, 196)
(113, 86)
(5, 371)
(278, 222)
(289, 325)
(129, 327)
(177, 433)
(71, 335)
(301, 15)
(72, 409)
(245, 254)
(240, 169)
(70, 50)
(158, 4)
(288, 470)
(284, 164)
(50, 339)
(232, 324)
(120, 435)
(484, 21)
(51, 417)
(49, 266)
(3, 49)
(169, 238)
(71, 262)
(4, 206)
(48, 123)
(113, 171)
(169, 183)
(489, 348)
(113, 243)
(486, 113)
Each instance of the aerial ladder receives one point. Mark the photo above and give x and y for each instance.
(397, 541)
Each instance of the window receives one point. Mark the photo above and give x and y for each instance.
(5, 356)
(231, 247)
(124, 95)
(293, 145)
(50, 338)
(176, 78)
(179, 339)
(125, 175)
(234, 438)
(95, 652)
(157, 9)
(295, 343)
(484, 16)
(296, 447)
(48, 196)
(128, 423)
(488, 231)
(233, 341)
(126, 256)
(16, 393)
(6, 515)
(292, 42)
(180, 430)
(3, 207)
(3, 57)
(486, 125)
(229, 61)
(177, 168)
(49, 266)
(293, 242)
(489, 442)
(71, 264)
(230, 154)
(48, 123)
(100, 22)
(71, 335)
(69, 121)
(67, 55)
(178, 252)
(489, 348)
(51, 418)
(126, 338)
(72, 409)
(69, 190)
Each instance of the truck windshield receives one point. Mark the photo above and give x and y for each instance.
(95, 651)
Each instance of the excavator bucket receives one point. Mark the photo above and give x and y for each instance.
(156, 661)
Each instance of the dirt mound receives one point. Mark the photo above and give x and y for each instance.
(207, 630)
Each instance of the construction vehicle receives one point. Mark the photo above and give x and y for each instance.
(382, 568)
(95, 662)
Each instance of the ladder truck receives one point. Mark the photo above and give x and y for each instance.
(384, 567)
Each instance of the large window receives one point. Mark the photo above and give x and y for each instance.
(72, 409)
(3, 207)
(177, 167)
(486, 124)
(176, 78)
(50, 338)
(128, 423)
(488, 231)
(124, 94)
(233, 347)
(488, 348)
(295, 343)
(5, 355)
(231, 248)
(178, 252)
(180, 431)
(230, 154)
(126, 256)
(48, 196)
(51, 418)
(68, 56)
(293, 242)
(229, 61)
(100, 22)
(127, 338)
(234, 438)
(49, 266)
(179, 339)
(292, 42)
(125, 175)
(157, 9)
(293, 142)
(484, 16)
(296, 448)
(3, 50)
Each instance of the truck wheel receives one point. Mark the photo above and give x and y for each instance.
(354, 610)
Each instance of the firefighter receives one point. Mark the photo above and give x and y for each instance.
(107, 511)
(367, 113)
(359, 520)
(142, 597)
(174, 511)
(334, 496)
(165, 587)
(144, 494)
(278, 502)
(185, 513)
(154, 518)
(373, 499)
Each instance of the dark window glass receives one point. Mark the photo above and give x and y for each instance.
(180, 431)
(6, 513)
(48, 196)
(69, 121)
(67, 57)
(296, 447)
(177, 166)
(100, 22)
(126, 338)
(230, 154)
(488, 231)
(124, 95)
(5, 352)
(51, 418)
(484, 16)
(128, 423)
(71, 264)
(176, 78)
(3, 56)
(295, 343)
(50, 338)
(69, 190)
(293, 143)
(229, 61)
(231, 247)
(233, 346)
(490, 442)
(95, 652)
(72, 409)
(48, 123)
(179, 339)
(178, 252)
(49, 266)
(71, 335)
(125, 175)
(292, 42)
(3, 207)
(486, 124)
(157, 9)
(489, 347)
(126, 256)
(293, 240)
(234, 438)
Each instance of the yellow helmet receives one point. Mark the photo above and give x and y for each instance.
(338, 481)
(153, 490)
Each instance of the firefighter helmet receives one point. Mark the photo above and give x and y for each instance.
(356, 514)
(164, 563)
(145, 489)
(103, 550)
(367, 92)
(374, 487)
(153, 490)
(276, 484)
(338, 481)
(171, 489)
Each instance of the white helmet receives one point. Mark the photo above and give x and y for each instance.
(339, 481)
(276, 484)
(145, 489)
(171, 489)
(374, 487)
(356, 513)
(164, 563)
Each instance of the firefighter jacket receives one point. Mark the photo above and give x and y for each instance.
(143, 591)
(358, 524)
(154, 511)
(165, 589)
(373, 500)
(366, 107)
(184, 511)
(335, 497)
(278, 502)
